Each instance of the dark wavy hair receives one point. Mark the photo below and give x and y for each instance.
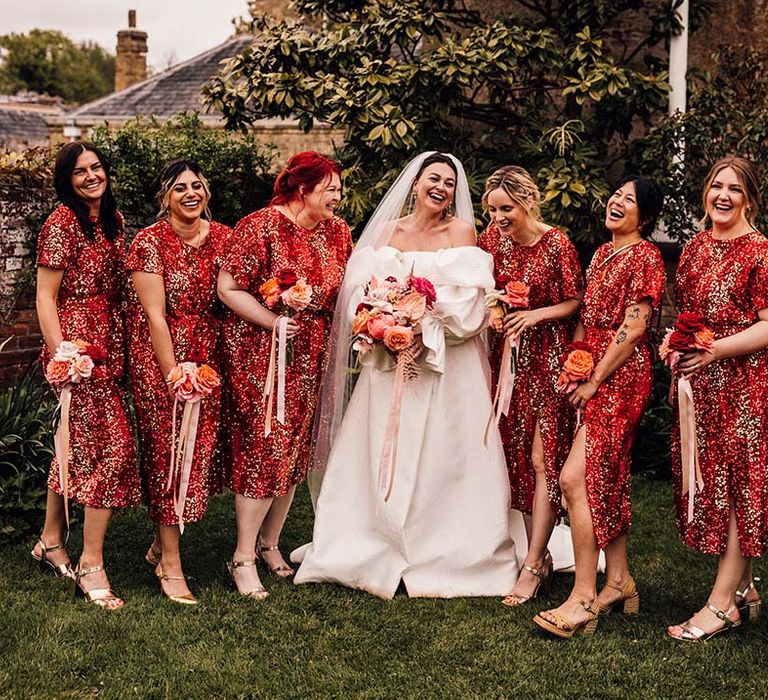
(650, 200)
(436, 157)
(62, 181)
(167, 179)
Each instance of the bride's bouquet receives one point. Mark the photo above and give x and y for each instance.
(688, 334)
(389, 316)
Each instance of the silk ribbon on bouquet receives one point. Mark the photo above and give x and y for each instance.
(182, 452)
(388, 461)
(506, 384)
(693, 481)
(61, 446)
(276, 374)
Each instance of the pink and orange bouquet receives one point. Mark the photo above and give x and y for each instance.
(191, 382)
(72, 362)
(510, 295)
(287, 290)
(390, 313)
(688, 334)
(578, 365)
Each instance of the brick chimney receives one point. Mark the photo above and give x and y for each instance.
(131, 59)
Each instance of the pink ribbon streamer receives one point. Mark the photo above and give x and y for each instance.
(388, 461)
(276, 372)
(506, 384)
(693, 482)
(61, 446)
(182, 454)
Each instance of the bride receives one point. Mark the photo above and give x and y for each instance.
(445, 529)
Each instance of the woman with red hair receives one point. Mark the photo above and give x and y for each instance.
(280, 282)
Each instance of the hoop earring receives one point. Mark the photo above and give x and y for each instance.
(411, 204)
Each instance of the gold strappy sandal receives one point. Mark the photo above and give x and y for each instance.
(258, 593)
(542, 573)
(565, 627)
(752, 608)
(102, 597)
(186, 599)
(153, 556)
(692, 633)
(59, 570)
(282, 570)
(630, 599)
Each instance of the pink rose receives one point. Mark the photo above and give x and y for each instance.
(423, 286)
(398, 338)
(496, 318)
(81, 368)
(378, 324)
(299, 296)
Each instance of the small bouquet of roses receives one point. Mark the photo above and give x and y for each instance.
(510, 295)
(190, 383)
(72, 362)
(390, 316)
(688, 334)
(578, 365)
(286, 293)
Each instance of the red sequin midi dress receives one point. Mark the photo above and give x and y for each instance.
(193, 314)
(103, 470)
(726, 281)
(612, 415)
(268, 242)
(551, 269)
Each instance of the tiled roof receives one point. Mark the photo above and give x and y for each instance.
(168, 93)
(20, 126)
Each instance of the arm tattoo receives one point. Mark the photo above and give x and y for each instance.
(634, 312)
(621, 336)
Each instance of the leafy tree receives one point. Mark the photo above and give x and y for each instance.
(49, 62)
(547, 86)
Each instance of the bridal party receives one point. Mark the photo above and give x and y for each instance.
(461, 400)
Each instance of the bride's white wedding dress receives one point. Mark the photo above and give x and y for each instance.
(446, 529)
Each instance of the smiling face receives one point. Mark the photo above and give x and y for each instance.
(187, 197)
(89, 181)
(508, 215)
(435, 187)
(622, 215)
(320, 204)
(726, 200)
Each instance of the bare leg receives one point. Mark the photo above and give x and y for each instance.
(54, 529)
(542, 521)
(250, 514)
(616, 570)
(731, 570)
(95, 526)
(574, 487)
(273, 526)
(170, 560)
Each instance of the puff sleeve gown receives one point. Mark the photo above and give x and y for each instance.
(726, 281)
(268, 242)
(193, 315)
(611, 417)
(103, 470)
(551, 269)
(445, 530)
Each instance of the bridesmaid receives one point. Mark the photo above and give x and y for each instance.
(80, 278)
(172, 319)
(299, 232)
(723, 275)
(625, 282)
(538, 430)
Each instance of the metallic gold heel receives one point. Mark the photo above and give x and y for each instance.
(101, 597)
(282, 570)
(258, 593)
(692, 633)
(153, 556)
(543, 573)
(59, 570)
(186, 599)
(751, 609)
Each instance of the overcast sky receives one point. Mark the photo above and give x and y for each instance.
(177, 29)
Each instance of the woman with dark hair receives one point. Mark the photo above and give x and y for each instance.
(298, 240)
(723, 277)
(173, 319)
(433, 511)
(80, 280)
(538, 428)
(625, 283)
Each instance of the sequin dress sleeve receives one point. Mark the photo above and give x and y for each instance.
(265, 467)
(551, 269)
(103, 471)
(193, 314)
(611, 417)
(726, 281)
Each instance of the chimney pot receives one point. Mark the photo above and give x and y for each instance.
(131, 19)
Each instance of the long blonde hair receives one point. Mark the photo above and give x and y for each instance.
(746, 173)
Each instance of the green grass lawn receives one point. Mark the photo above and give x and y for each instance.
(327, 641)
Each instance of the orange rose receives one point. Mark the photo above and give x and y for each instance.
(270, 290)
(207, 379)
(175, 375)
(518, 294)
(82, 346)
(57, 372)
(398, 338)
(579, 365)
(360, 323)
(496, 318)
(298, 296)
(704, 340)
